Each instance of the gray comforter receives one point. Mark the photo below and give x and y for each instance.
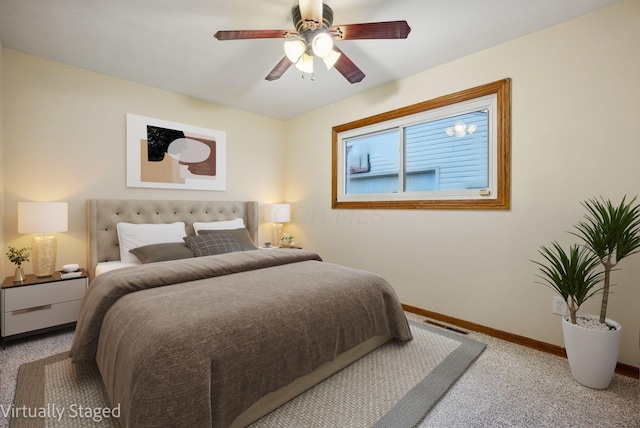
(196, 342)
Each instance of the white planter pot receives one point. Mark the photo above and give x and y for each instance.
(592, 354)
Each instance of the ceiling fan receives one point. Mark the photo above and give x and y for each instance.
(314, 36)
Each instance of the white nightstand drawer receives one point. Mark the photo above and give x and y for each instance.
(50, 293)
(37, 317)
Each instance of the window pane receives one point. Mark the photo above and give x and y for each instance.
(372, 164)
(449, 153)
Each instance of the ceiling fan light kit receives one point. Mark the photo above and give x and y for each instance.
(321, 44)
(305, 63)
(331, 58)
(315, 36)
(294, 49)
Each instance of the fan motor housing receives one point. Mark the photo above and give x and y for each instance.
(303, 26)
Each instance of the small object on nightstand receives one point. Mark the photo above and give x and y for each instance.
(287, 240)
(71, 267)
(267, 244)
(19, 275)
(73, 274)
(17, 257)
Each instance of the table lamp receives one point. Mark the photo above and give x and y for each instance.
(43, 217)
(277, 214)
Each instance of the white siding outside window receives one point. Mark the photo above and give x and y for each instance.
(446, 153)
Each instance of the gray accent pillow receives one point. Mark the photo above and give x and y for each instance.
(212, 244)
(162, 252)
(241, 235)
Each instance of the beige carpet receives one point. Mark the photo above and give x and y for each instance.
(394, 386)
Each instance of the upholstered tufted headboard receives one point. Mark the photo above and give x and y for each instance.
(104, 214)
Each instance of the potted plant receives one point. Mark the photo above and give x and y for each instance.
(287, 240)
(571, 275)
(610, 233)
(17, 257)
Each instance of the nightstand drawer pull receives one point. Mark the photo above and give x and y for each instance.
(37, 308)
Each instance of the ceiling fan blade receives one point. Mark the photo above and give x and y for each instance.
(251, 34)
(347, 68)
(372, 30)
(279, 69)
(311, 10)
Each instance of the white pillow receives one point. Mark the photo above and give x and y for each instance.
(236, 223)
(131, 235)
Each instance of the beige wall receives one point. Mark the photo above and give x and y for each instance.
(64, 140)
(575, 110)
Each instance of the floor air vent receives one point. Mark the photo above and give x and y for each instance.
(448, 327)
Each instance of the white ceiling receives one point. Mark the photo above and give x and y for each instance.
(169, 44)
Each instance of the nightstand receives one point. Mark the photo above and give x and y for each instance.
(38, 305)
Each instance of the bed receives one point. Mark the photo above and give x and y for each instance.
(220, 340)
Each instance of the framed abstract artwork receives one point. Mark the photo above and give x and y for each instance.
(170, 155)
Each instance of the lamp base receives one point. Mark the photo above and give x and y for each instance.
(276, 234)
(43, 255)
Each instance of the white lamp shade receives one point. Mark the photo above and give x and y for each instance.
(322, 44)
(305, 63)
(294, 49)
(331, 58)
(42, 217)
(278, 213)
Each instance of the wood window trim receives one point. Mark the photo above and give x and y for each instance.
(502, 90)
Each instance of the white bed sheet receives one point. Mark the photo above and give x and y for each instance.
(108, 266)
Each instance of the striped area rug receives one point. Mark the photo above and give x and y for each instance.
(393, 386)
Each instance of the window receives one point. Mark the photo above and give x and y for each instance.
(448, 153)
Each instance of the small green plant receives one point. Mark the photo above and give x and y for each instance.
(17, 257)
(286, 238)
(571, 275)
(611, 233)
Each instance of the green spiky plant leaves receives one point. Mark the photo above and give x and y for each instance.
(571, 275)
(611, 233)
